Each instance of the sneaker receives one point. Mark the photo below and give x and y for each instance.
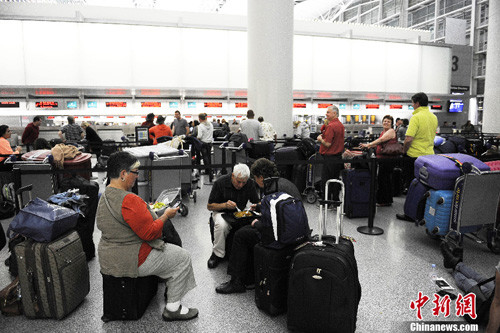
(176, 315)
(404, 217)
(230, 287)
(214, 261)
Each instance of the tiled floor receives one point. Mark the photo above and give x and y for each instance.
(393, 268)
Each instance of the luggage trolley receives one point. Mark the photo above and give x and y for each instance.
(170, 198)
(475, 206)
(312, 177)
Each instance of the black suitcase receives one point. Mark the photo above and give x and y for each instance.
(86, 222)
(397, 182)
(284, 155)
(271, 278)
(357, 192)
(127, 298)
(299, 176)
(323, 287)
(54, 276)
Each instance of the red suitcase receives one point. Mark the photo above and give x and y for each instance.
(81, 161)
(494, 165)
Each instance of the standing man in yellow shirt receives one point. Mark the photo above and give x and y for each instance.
(419, 138)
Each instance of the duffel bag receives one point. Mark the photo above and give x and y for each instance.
(42, 221)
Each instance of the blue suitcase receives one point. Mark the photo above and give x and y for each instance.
(415, 200)
(357, 192)
(438, 211)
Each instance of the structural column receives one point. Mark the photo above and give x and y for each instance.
(270, 62)
(491, 107)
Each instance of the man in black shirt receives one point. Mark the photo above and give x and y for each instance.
(229, 193)
(240, 266)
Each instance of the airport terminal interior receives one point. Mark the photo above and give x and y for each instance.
(110, 63)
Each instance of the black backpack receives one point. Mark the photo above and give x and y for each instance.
(238, 138)
(307, 147)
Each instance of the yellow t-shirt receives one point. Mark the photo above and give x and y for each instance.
(422, 128)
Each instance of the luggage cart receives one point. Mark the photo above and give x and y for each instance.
(171, 198)
(312, 177)
(475, 206)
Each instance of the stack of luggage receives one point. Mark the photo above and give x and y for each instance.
(431, 193)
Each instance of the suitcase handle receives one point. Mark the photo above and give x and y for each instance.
(323, 211)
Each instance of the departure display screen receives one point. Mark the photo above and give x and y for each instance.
(240, 105)
(92, 104)
(456, 106)
(299, 105)
(213, 104)
(150, 104)
(396, 107)
(71, 105)
(324, 105)
(6, 104)
(372, 106)
(47, 104)
(116, 104)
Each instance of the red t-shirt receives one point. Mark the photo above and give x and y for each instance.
(135, 212)
(334, 134)
(158, 131)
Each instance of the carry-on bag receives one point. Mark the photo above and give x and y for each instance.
(127, 298)
(285, 157)
(324, 289)
(271, 267)
(357, 192)
(284, 220)
(441, 171)
(437, 212)
(42, 221)
(54, 276)
(414, 206)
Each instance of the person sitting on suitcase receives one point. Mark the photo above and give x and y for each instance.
(266, 176)
(230, 192)
(131, 243)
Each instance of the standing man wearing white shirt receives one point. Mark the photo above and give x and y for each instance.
(268, 130)
(206, 136)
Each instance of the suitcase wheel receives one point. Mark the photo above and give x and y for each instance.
(311, 196)
(183, 210)
(432, 236)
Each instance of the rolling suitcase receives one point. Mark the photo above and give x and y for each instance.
(127, 298)
(494, 165)
(357, 192)
(414, 206)
(437, 212)
(324, 289)
(54, 276)
(441, 171)
(271, 278)
(397, 182)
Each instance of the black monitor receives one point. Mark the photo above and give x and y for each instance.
(141, 134)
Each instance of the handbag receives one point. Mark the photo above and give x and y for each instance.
(391, 149)
(42, 221)
(170, 235)
(10, 300)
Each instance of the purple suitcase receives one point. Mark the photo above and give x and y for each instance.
(440, 173)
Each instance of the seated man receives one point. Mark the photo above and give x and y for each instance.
(228, 193)
(248, 236)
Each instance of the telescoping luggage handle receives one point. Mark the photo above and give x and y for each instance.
(323, 211)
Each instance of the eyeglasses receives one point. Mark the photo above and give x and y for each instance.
(134, 172)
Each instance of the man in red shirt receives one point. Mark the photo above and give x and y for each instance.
(331, 148)
(31, 132)
(159, 130)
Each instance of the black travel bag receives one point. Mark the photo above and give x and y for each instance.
(323, 288)
(357, 192)
(54, 276)
(285, 155)
(271, 278)
(86, 222)
(127, 298)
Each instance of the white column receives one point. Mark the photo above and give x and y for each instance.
(491, 109)
(270, 62)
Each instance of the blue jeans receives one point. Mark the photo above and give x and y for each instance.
(466, 278)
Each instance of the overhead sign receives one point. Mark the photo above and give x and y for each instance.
(8, 104)
(150, 104)
(461, 68)
(47, 104)
(116, 104)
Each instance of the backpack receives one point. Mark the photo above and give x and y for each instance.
(238, 138)
(285, 220)
(307, 147)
